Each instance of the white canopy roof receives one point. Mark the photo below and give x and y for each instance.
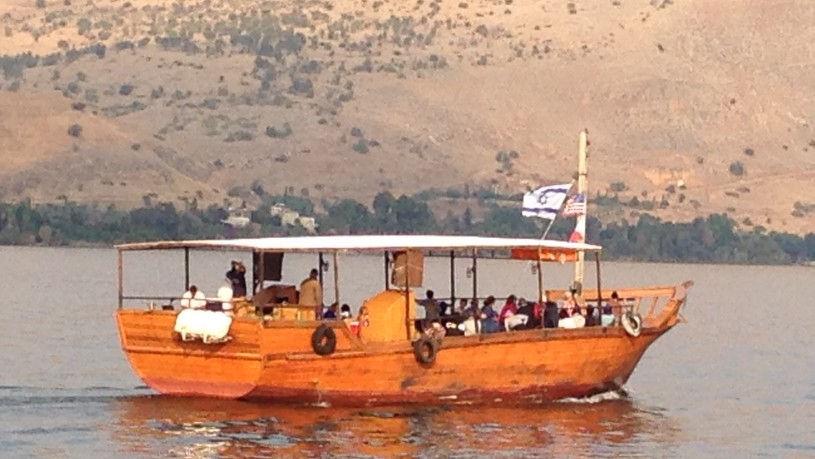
(363, 243)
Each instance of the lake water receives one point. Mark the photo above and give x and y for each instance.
(738, 379)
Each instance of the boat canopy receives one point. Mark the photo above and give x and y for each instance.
(366, 244)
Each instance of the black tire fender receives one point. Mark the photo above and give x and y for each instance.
(324, 340)
(425, 350)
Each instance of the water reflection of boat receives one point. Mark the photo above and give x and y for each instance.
(280, 351)
(186, 426)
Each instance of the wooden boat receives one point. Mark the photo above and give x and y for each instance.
(274, 352)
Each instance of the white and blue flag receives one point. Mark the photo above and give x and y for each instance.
(545, 202)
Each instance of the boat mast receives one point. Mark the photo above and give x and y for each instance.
(580, 225)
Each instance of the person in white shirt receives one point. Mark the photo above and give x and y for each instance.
(193, 299)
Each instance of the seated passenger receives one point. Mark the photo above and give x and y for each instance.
(551, 313)
(472, 309)
(436, 331)
(608, 318)
(533, 313)
(444, 309)
(193, 299)
(462, 306)
(345, 311)
(470, 315)
(509, 309)
(363, 321)
(517, 321)
(573, 318)
(331, 313)
(489, 318)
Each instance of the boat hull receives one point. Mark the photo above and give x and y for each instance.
(276, 362)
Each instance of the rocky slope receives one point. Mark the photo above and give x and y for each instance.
(692, 106)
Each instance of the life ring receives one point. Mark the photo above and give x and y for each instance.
(632, 323)
(425, 350)
(324, 340)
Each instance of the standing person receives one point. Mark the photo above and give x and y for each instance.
(431, 309)
(311, 293)
(237, 278)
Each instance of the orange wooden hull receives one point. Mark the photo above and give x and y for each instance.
(275, 361)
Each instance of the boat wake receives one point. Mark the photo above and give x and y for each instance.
(618, 394)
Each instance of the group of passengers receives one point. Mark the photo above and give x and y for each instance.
(468, 318)
(234, 287)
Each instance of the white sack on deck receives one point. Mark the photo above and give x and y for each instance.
(209, 326)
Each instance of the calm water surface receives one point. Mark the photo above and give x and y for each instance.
(738, 379)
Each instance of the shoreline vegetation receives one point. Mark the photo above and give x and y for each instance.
(713, 239)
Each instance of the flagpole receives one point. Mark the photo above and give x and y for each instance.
(548, 227)
(580, 225)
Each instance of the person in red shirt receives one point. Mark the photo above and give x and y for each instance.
(510, 309)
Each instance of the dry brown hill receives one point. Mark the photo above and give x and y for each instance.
(194, 99)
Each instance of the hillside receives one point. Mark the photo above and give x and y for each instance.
(695, 106)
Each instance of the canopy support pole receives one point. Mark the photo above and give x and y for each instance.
(119, 275)
(540, 280)
(387, 277)
(599, 290)
(320, 264)
(452, 280)
(186, 268)
(475, 275)
(336, 280)
(408, 325)
(262, 258)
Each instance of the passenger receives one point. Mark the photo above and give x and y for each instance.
(582, 306)
(472, 310)
(470, 323)
(331, 313)
(569, 305)
(470, 315)
(510, 309)
(193, 299)
(614, 306)
(489, 318)
(608, 318)
(517, 321)
(345, 312)
(574, 318)
(444, 309)
(462, 306)
(363, 321)
(431, 309)
(533, 313)
(237, 278)
(436, 331)
(225, 295)
(551, 314)
(311, 293)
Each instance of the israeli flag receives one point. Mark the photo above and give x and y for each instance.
(545, 202)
